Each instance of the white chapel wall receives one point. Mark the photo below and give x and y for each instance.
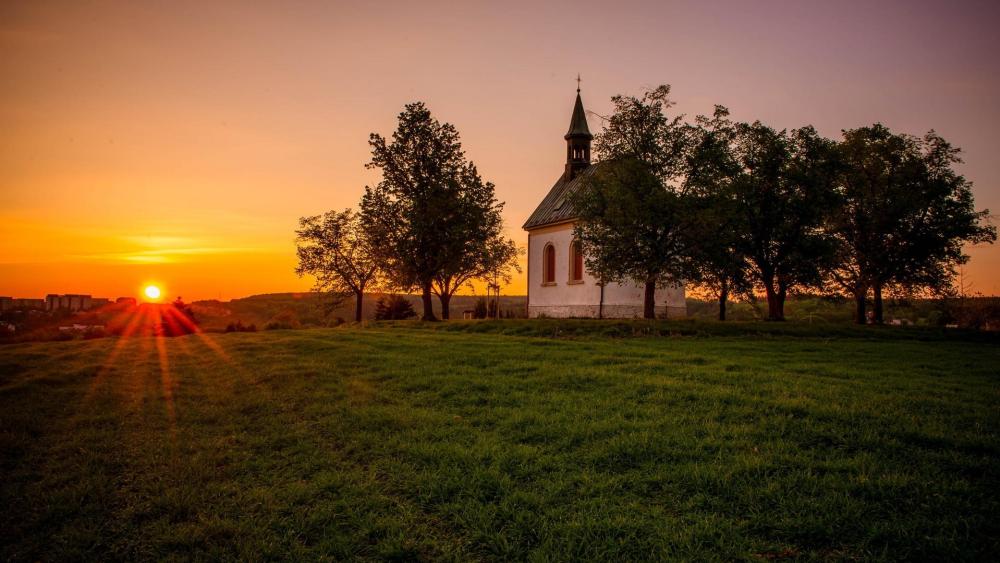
(566, 299)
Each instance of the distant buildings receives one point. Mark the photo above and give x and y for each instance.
(69, 302)
(74, 302)
(53, 302)
(19, 304)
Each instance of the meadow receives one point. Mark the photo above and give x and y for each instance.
(523, 440)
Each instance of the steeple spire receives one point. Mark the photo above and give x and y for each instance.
(578, 123)
(577, 138)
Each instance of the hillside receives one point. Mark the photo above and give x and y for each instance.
(310, 310)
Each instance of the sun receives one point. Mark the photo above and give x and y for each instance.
(151, 292)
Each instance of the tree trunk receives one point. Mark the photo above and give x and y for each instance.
(600, 306)
(879, 319)
(358, 304)
(782, 293)
(428, 303)
(860, 305)
(445, 305)
(775, 303)
(723, 297)
(649, 302)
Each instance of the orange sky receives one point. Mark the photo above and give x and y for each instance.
(179, 142)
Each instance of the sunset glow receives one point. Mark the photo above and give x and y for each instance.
(143, 141)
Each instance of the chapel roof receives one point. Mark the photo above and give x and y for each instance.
(556, 207)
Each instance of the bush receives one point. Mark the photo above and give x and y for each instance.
(481, 309)
(62, 335)
(393, 308)
(94, 332)
(284, 320)
(238, 326)
(487, 309)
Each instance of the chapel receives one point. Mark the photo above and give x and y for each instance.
(559, 284)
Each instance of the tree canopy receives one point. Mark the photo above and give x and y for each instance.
(339, 252)
(718, 259)
(631, 210)
(432, 213)
(902, 216)
(782, 183)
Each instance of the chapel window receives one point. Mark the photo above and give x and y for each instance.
(549, 264)
(575, 262)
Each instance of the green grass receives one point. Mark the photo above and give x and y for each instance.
(462, 441)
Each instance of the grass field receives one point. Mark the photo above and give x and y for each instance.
(468, 442)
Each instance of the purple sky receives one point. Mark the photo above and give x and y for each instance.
(181, 141)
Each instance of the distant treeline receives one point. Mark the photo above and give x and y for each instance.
(293, 310)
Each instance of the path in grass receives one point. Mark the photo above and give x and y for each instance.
(404, 443)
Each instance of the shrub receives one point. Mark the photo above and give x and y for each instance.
(285, 319)
(62, 335)
(393, 308)
(94, 332)
(238, 326)
(481, 309)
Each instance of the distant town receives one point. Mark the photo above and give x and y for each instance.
(71, 302)
(62, 316)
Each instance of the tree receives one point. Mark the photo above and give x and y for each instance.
(337, 250)
(393, 308)
(782, 186)
(720, 264)
(632, 213)
(432, 213)
(903, 215)
(500, 261)
(477, 237)
(871, 192)
(934, 248)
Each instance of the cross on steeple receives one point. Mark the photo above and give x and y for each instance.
(578, 83)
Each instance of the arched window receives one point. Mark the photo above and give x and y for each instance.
(549, 264)
(575, 262)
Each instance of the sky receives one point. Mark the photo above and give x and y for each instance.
(179, 142)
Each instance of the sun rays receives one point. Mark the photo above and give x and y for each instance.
(152, 326)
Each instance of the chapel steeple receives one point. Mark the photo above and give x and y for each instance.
(577, 139)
